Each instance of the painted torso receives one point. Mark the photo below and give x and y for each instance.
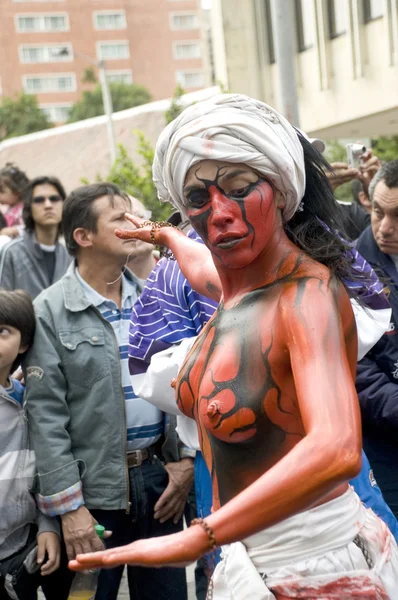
(238, 385)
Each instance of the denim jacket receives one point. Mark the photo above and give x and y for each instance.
(75, 402)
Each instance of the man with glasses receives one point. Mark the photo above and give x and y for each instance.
(36, 260)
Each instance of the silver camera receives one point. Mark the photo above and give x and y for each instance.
(354, 153)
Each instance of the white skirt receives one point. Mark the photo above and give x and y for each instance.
(313, 555)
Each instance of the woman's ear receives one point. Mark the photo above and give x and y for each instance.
(280, 200)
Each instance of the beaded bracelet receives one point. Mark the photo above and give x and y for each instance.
(155, 226)
(208, 530)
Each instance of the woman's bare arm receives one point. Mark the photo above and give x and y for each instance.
(194, 259)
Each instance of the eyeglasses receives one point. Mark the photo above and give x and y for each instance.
(42, 199)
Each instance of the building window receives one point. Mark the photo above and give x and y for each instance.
(184, 21)
(45, 54)
(372, 9)
(41, 84)
(270, 34)
(190, 79)
(186, 50)
(112, 50)
(119, 76)
(56, 113)
(110, 20)
(305, 19)
(337, 18)
(40, 23)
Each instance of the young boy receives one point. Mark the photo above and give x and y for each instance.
(29, 540)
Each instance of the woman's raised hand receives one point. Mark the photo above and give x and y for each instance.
(152, 232)
(141, 232)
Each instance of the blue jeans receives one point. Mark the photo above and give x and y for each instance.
(147, 483)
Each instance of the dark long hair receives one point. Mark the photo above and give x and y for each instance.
(318, 226)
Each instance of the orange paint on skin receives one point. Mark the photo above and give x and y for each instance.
(270, 379)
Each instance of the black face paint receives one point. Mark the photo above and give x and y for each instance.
(198, 198)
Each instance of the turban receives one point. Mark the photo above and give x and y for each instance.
(235, 129)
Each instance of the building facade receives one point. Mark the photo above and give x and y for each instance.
(345, 57)
(47, 45)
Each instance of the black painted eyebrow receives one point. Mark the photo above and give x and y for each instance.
(226, 177)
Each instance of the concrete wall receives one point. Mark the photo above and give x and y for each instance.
(71, 152)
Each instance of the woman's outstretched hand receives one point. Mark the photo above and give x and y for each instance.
(148, 231)
(176, 550)
(140, 233)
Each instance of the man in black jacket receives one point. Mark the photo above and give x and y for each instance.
(377, 373)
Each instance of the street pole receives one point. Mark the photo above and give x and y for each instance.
(285, 54)
(108, 108)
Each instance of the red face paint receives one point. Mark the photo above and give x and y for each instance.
(236, 225)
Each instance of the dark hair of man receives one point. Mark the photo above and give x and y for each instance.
(314, 228)
(28, 198)
(3, 222)
(79, 211)
(16, 310)
(15, 179)
(388, 174)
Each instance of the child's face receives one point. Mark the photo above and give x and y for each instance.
(7, 196)
(10, 347)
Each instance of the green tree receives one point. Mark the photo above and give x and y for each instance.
(21, 115)
(137, 180)
(123, 96)
(176, 106)
(386, 147)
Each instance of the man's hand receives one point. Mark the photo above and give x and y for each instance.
(79, 533)
(172, 502)
(48, 542)
(368, 169)
(341, 173)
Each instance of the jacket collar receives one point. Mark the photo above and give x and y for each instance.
(368, 248)
(74, 297)
(32, 245)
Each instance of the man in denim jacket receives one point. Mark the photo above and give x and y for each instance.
(99, 448)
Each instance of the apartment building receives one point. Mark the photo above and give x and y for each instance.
(47, 45)
(346, 61)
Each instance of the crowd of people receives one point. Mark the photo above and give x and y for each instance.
(208, 398)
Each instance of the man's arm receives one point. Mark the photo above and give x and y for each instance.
(59, 474)
(378, 395)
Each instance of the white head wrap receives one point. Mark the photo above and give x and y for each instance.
(236, 129)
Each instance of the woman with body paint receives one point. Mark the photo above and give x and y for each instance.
(270, 380)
